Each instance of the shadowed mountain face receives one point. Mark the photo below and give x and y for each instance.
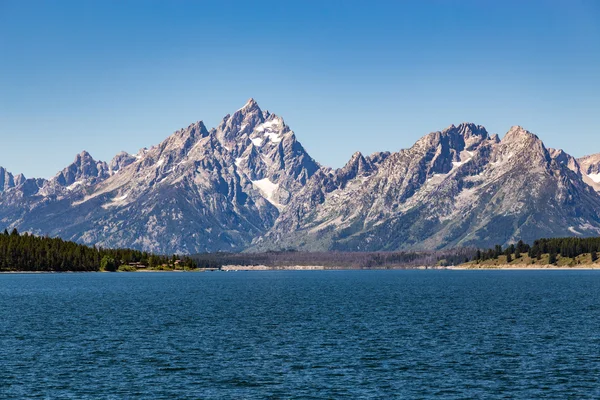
(249, 184)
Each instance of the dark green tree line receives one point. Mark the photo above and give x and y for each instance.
(569, 247)
(34, 253)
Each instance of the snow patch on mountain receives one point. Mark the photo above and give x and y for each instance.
(268, 188)
(116, 202)
(573, 230)
(74, 185)
(595, 177)
(273, 137)
(269, 124)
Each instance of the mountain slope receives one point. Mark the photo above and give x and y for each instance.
(458, 187)
(248, 184)
(590, 170)
(189, 194)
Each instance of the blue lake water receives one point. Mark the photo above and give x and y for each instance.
(301, 334)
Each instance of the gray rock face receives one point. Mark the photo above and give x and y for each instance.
(266, 150)
(198, 190)
(590, 170)
(7, 180)
(83, 168)
(249, 184)
(120, 161)
(457, 187)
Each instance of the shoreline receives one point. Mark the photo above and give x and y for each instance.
(236, 268)
(525, 267)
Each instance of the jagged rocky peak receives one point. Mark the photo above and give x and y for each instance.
(265, 149)
(357, 165)
(20, 179)
(467, 130)
(520, 147)
(472, 134)
(466, 136)
(7, 180)
(441, 151)
(184, 139)
(120, 161)
(561, 157)
(590, 170)
(83, 168)
(378, 157)
(251, 104)
(243, 121)
(196, 130)
(518, 139)
(518, 134)
(174, 149)
(590, 164)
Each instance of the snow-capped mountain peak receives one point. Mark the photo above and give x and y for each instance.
(249, 183)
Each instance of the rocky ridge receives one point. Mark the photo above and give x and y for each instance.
(249, 184)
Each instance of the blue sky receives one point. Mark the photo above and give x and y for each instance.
(107, 76)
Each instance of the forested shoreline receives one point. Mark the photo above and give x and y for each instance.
(30, 253)
(568, 251)
(25, 252)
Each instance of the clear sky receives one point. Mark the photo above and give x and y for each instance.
(107, 76)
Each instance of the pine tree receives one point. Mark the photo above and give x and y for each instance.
(497, 251)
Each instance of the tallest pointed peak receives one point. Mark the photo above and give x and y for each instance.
(250, 104)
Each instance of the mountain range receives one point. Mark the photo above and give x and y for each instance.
(248, 184)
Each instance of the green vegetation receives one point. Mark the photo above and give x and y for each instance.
(108, 264)
(33, 253)
(561, 252)
(127, 268)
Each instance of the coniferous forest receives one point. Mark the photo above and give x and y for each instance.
(548, 250)
(25, 252)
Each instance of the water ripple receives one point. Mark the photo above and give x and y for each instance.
(313, 335)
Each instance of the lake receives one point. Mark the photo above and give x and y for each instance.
(301, 334)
